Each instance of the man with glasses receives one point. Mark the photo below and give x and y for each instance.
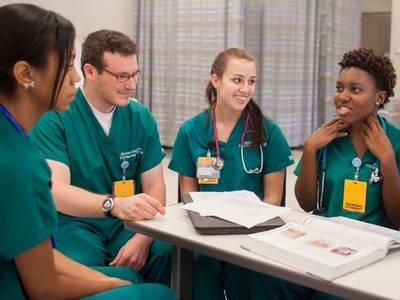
(105, 156)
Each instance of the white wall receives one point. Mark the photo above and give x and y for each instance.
(90, 15)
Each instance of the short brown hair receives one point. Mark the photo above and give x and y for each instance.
(102, 41)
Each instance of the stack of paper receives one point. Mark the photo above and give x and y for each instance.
(241, 207)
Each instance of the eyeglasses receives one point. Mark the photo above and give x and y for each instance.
(124, 77)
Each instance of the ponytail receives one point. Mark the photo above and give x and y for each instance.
(258, 136)
(211, 94)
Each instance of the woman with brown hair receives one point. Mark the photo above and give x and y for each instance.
(230, 146)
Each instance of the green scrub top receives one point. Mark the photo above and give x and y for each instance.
(76, 139)
(193, 141)
(340, 153)
(28, 216)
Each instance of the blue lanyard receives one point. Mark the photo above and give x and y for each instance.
(321, 172)
(21, 131)
(12, 120)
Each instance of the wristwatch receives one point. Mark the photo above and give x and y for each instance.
(108, 205)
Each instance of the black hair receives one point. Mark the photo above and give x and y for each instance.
(30, 33)
(378, 66)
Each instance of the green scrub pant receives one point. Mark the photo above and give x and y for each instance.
(96, 242)
(121, 272)
(211, 277)
(144, 291)
(260, 286)
(141, 291)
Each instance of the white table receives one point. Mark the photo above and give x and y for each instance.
(377, 281)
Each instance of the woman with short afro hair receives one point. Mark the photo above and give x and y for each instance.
(356, 147)
(378, 66)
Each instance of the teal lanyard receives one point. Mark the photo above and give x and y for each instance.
(321, 172)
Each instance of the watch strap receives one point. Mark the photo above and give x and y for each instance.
(107, 212)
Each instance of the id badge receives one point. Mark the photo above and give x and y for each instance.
(355, 196)
(124, 188)
(205, 172)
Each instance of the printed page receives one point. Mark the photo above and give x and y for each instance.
(241, 207)
(296, 216)
(200, 196)
(380, 230)
(333, 250)
(345, 232)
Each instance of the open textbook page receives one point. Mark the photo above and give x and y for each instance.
(393, 234)
(323, 247)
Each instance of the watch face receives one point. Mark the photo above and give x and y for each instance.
(107, 204)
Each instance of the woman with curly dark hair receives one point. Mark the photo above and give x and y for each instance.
(357, 151)
(350, 164)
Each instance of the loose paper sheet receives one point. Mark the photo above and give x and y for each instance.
(241, 207)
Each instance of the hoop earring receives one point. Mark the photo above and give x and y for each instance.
(28, 85)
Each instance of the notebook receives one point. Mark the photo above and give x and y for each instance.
(217, 226)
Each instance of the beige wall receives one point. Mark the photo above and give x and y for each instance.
(90, 15)
(395, 43)
(374, 6)
(393, 6)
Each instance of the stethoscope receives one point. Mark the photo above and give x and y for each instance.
(218, 162)
(21, 131)
(356, 162)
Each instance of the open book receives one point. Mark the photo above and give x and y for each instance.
(325, 247)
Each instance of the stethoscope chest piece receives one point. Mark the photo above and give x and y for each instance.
(218, 163)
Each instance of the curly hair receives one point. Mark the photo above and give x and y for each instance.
(378, 66)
